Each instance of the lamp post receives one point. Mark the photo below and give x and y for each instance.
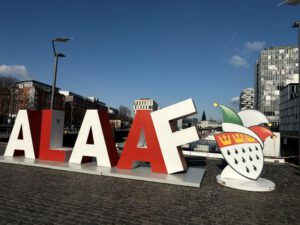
(297, 25)
(56, 56)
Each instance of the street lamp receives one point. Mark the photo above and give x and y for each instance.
(297, 25)
(56, 55)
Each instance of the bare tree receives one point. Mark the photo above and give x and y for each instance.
(7, 81)
(124, 113)
(5, 97)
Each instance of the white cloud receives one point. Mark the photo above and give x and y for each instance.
(18, 71)
(255, 45)
(239, 61)
(235, 101)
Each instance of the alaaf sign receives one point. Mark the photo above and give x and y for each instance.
(152, 138)
(38, 135)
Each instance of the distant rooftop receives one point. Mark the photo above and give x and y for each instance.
(145, 99)
(34, 81)
(281, 47)
(65, 93)
(288, 85)
(92, 99)
(250, 88)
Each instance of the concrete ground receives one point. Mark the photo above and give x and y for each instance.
(32, 195)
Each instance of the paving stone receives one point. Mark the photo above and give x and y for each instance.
(32, 195)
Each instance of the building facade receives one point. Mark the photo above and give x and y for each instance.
(289, 107)
(76, 106)
(275, 68)
(208, 124)
(145, 104)
(247, 99)
(289, 125)
(186, 122)
(34, 95)
(113, 113)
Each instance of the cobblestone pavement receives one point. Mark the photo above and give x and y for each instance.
(32, 195)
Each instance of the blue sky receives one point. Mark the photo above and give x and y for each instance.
(169, 50)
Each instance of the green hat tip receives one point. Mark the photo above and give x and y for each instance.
(216, 104)
(229, 115)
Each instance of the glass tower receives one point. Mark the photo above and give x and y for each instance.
(246, 99)
(275, 68)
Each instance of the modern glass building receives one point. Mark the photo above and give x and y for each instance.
(247, 99)
(275, 68)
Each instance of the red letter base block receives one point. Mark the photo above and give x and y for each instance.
(142, 131)
(52, 129)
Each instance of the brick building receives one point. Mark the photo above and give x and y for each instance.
(33, 95)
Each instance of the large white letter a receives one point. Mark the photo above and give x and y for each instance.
(29, 123)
